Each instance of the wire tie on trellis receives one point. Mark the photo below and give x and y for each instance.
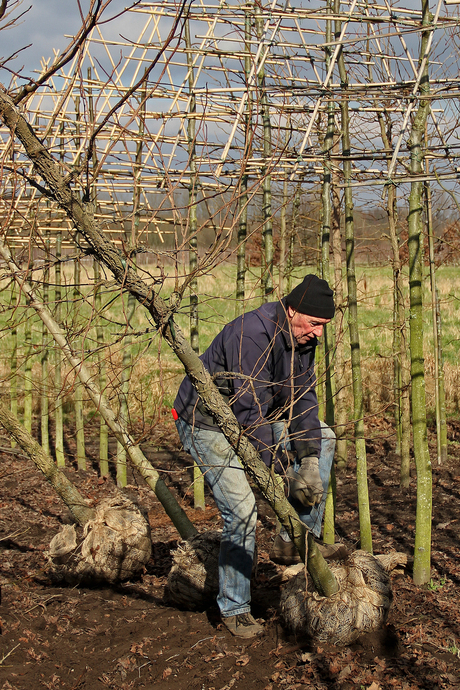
(390, 181)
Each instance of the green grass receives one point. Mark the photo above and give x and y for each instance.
(157, 373)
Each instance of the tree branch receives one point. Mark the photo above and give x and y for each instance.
(81, 216)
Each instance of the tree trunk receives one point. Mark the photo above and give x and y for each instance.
(422, 553)
(361, 460)
(267, 228)
(340, 369)
(441, 425)
(328, 336)
(78, 389)
(58, 411)
(28, 400)
(400, 360)
(107, 252)
(77, 505)
(44, 389)
(243, 196)
(198, 478)
(14, 362)
(103, 429)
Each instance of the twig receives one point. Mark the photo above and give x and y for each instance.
(5, 656)
(207, 638)
(14, 534)
(42, 603)
(15, 451)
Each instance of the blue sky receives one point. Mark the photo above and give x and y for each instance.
(45, 26)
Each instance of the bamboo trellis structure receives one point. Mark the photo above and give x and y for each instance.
(299, 87)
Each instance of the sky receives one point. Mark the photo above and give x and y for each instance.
(45, 26)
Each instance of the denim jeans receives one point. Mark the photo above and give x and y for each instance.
(225, 476)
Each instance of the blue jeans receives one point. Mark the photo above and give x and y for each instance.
(225, 476)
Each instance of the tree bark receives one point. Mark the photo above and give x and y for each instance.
(77, 505)
(400, 359)
(361, 459)
(162, 314)
(422, 552)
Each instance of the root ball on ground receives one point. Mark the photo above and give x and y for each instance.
(114, 546)
(193, 581)
(361, 605)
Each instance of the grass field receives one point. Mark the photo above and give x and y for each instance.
(156, 372)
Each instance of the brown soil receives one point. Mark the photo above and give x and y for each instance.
(130, 636)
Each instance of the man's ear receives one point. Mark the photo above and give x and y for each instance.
(290, 311)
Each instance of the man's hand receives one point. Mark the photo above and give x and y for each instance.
(305, 485)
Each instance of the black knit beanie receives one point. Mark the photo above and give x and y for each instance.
(312, 297)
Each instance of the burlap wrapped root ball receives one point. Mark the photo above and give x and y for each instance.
(114, 546)
(360, 606)
(193, 581)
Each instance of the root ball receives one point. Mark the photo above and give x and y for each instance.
(361, 605)
(114, 546)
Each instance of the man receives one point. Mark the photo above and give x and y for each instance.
(263, 364)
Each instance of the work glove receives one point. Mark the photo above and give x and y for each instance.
(305, 485)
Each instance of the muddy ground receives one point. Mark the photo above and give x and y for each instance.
(130, 636)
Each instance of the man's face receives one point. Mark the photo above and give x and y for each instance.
(305, 327)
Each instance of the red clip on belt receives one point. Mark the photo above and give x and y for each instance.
(174, 414)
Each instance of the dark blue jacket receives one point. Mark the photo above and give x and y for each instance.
(278, 382)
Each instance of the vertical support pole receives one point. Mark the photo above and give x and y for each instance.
(198, 479)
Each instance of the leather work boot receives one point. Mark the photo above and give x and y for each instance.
(243, 625)
(284, 552)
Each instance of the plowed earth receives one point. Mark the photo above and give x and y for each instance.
(130, 636)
